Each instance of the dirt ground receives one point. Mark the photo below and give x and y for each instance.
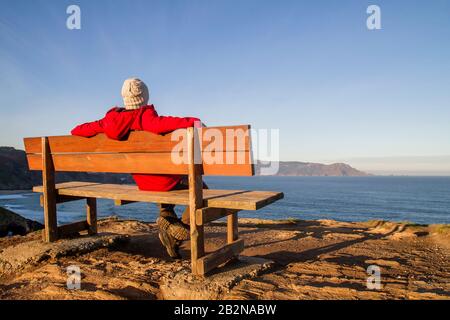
(313, 260)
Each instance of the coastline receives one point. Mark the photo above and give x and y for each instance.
(416, 199)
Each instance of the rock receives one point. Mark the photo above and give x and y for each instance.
(14, 224)
(22, 255)
(185, 286)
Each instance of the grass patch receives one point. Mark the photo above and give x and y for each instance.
(442, 228)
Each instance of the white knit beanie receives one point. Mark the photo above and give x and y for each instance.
(134, 93)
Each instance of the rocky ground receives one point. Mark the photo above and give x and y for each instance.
(312, 260)
(14, 224)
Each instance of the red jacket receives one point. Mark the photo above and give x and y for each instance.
(118, 122)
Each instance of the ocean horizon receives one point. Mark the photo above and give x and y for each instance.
(417, 199)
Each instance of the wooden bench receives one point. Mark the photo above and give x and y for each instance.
(194, 152)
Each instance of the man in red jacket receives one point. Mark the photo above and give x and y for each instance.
(138, 115)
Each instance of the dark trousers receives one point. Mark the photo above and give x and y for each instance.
(169, 209)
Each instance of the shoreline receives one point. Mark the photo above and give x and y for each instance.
(74, 215)
(422, 201)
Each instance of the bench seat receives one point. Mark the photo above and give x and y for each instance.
(227, 199)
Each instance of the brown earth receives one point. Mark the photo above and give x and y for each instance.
(313, 260)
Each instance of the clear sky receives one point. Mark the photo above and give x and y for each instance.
(376, 99)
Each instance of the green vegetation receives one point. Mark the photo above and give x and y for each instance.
(442, 228)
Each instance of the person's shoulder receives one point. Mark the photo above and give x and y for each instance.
(115, 109)
(148, 109)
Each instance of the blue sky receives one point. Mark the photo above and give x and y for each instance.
(379, 100)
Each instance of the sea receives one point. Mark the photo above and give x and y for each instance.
(423, 200)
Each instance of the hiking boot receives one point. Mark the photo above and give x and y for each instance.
(167, 211)
(171, 244)
(174, 227)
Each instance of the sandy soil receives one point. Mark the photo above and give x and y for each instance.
(313, 260)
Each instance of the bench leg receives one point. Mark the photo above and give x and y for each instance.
(91, 212)
(195, 198)
(197, 242)
(232, 227)
(226, 253)
(50, 232)
(232, 230)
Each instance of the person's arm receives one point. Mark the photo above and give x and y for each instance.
(88, 129)
(114, 126)
(163, 124)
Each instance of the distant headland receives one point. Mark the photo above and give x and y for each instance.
(297, 168)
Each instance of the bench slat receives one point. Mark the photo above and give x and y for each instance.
(156, 163)
(114, 163)
(229, 199)
(138, 141)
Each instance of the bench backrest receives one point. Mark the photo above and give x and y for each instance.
(223, 150)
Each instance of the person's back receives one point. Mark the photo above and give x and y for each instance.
(138, 115)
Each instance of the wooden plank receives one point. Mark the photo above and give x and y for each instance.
(220, 256)
(205, 215)
(122, 202)
(49, 193)
(195, 200)
(71, 228)
(241, 200)
(219, 163)
(74, 184)
(142, 141)
(231, 199)
(225, 138)
(227, 164)
(60, 199)
(252, 160)
(91, 215)
(232, 228)
(115, 163)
